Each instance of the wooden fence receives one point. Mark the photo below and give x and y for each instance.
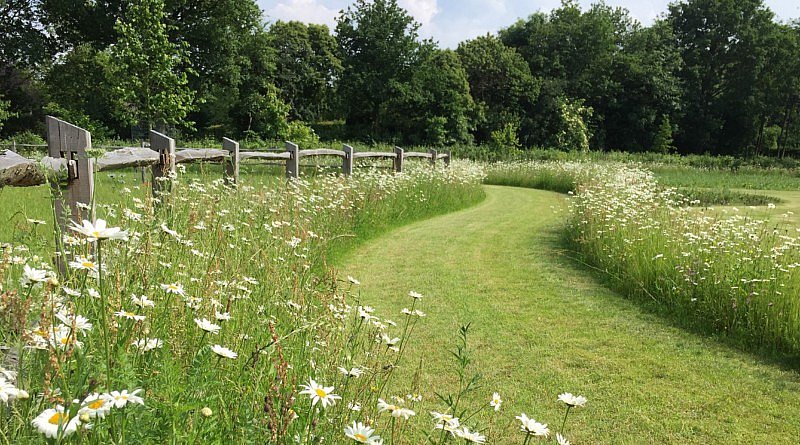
(70, 170)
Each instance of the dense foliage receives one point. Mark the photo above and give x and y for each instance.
(709, 76)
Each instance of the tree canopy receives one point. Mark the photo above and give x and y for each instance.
(716, 76)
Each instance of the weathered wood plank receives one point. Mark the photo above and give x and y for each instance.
(321, 152)
(244, 155)
(347, 161)
(127, 157)
(189, 155)
(416, 154)
(69, 142)
(232, 164)
(293, 163)
(165, 169)
(374, 154)
(399, 154)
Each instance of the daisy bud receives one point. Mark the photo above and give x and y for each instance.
(22, 395)
(85, 418)
(206, 412)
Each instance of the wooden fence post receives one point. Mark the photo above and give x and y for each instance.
(398, 160)
(433, 153)
(293, 163)
(448, 153)
(66, 141)
(69, 142)
(166, 169)
(347, 162)
(232, 165)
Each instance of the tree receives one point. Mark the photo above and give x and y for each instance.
(306, 67)
(723, 47)
(149, 78)
(501, 85)
(379, 49)
(435, 106)
(5, 113)
(79, 90)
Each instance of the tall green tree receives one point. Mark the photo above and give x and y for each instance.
(379, 48)
(501, 85)
(149, 79)
(435, 107)
(306, 67)
(723, 44)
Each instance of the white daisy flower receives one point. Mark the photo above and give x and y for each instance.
(224, 352)
(120, 399)
(572, 400)
(99, 230)
(532, 427)
(361, 433)
(54, 423)
(496, 402)
(319, 393)
(207, 325)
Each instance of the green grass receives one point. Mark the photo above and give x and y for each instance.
(754, 179)
(542, 325)
(256, 252)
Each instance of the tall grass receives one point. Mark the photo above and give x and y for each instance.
(726, 272)
(215, 313)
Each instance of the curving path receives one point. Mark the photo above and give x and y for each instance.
(542, 325)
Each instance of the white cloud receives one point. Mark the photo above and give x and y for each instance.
(422, 10)
(307, 11)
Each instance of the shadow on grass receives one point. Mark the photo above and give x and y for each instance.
(566, 256)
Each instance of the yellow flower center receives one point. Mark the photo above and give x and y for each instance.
(173, 287)
(96, 234)
(360, 437)
(130, 314)
(97, 404)
(58, 418)
(321, 393)
(64, 340)
(87, 264)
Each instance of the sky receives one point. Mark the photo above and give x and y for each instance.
(452, 21)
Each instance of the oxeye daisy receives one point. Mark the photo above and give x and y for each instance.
(394, 410)
(224, 352)
(561, 440)
(83, 263)
(207, 325)
(319, 393)
(32, 276)
(147, 344)
(95, 405)
(54, 423)
(415, 295)
(122, 398)
(174, 288)
(129, 315)
(99, 230)
(352, 372)
(470, 436)
(532, 427)
(572, 400)
(361, 433)
(496, 402)
(142, 301)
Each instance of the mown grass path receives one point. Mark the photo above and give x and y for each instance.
(542, 325)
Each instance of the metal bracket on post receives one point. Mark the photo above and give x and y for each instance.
(293, 163)
(433, 153)
(398, 159)
(166, 169)
(231, 165)
(347, 161)
(66, 141)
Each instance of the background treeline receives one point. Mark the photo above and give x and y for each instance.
(709, 76)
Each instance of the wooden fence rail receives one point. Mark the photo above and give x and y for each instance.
(70, 170)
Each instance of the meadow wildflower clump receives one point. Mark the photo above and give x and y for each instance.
(209, 313)
(726, 270)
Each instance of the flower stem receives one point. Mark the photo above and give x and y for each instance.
(564, 422)
(104, 315)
